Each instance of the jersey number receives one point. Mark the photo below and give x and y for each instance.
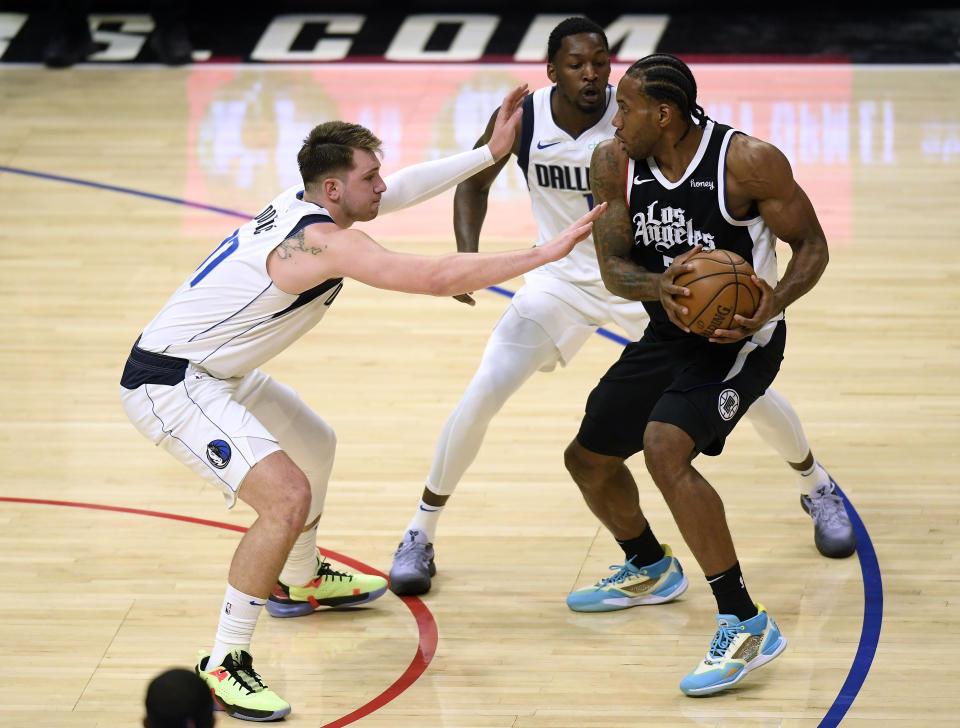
(213, 260)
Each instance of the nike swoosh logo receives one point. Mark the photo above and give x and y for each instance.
(638, 181)
(258, 604)
(541, 145)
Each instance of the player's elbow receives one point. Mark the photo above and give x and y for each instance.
(438, 280)
(472, 189)
(821, 254)
(612, 282)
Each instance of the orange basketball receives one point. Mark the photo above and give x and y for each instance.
(720, 287)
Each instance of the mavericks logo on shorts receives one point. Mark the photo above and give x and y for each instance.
(728, 404)
(218, 453)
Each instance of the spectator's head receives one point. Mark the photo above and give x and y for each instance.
(178, 698)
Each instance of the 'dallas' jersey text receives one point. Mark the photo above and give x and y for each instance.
(556, 167)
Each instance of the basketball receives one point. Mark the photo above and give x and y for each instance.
(720, 287)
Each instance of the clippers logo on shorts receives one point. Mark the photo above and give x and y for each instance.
(728, 404)
(218, 453)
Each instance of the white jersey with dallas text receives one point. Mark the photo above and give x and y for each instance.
(229, 317)
(557, 170)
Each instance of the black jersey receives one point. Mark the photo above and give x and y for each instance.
(670, 218)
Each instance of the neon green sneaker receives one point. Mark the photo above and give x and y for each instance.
(328, 588)
(238, 690)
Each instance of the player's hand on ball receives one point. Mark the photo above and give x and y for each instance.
(747, 327)
(669, 289)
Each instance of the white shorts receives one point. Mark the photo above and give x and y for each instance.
(219, 427)
(570, 313)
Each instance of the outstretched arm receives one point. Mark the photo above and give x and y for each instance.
(320, 252)
(419, 182)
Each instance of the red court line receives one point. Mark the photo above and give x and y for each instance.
(426, 624)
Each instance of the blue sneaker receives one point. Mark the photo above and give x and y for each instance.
(737, 648)
(630, 587)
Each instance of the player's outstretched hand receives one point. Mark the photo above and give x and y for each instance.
(508, 121)
(573, 233)
(746, 327)
(669, 289)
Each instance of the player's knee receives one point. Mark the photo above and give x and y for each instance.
(663, 455)
(280, 493)
(325, 439)
(585, 466)
(482, 400)
(293, 500)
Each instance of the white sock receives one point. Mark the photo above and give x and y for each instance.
(425, 519)
(238, 617)
(815, 477)
(301, 564)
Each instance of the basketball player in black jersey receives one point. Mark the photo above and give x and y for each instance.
(690, 183)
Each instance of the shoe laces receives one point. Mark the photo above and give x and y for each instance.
(325, 571)
(412, 551)
(240, 668)
(828, 509)
(624, 572)
(721, 641)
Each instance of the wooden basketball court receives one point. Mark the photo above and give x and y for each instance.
(116, 182)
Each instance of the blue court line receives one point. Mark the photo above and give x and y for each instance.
(122, 190)
(872, 621)
(869, 567)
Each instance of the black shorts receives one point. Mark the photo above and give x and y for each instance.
(702, 388)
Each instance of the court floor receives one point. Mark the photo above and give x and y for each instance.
(116, 182)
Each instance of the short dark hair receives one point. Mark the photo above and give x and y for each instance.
(328, 149)
(572, 26)
(179, 698)
(667, 78)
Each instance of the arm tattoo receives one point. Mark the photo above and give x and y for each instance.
(296, 242)
(613, 231)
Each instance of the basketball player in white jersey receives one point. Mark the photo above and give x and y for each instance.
(561, 304)
(192, 384)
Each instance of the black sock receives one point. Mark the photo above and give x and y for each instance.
(731, 593)
(644, 549)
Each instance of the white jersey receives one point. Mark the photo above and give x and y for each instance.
(229, 317)
(557, 170)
